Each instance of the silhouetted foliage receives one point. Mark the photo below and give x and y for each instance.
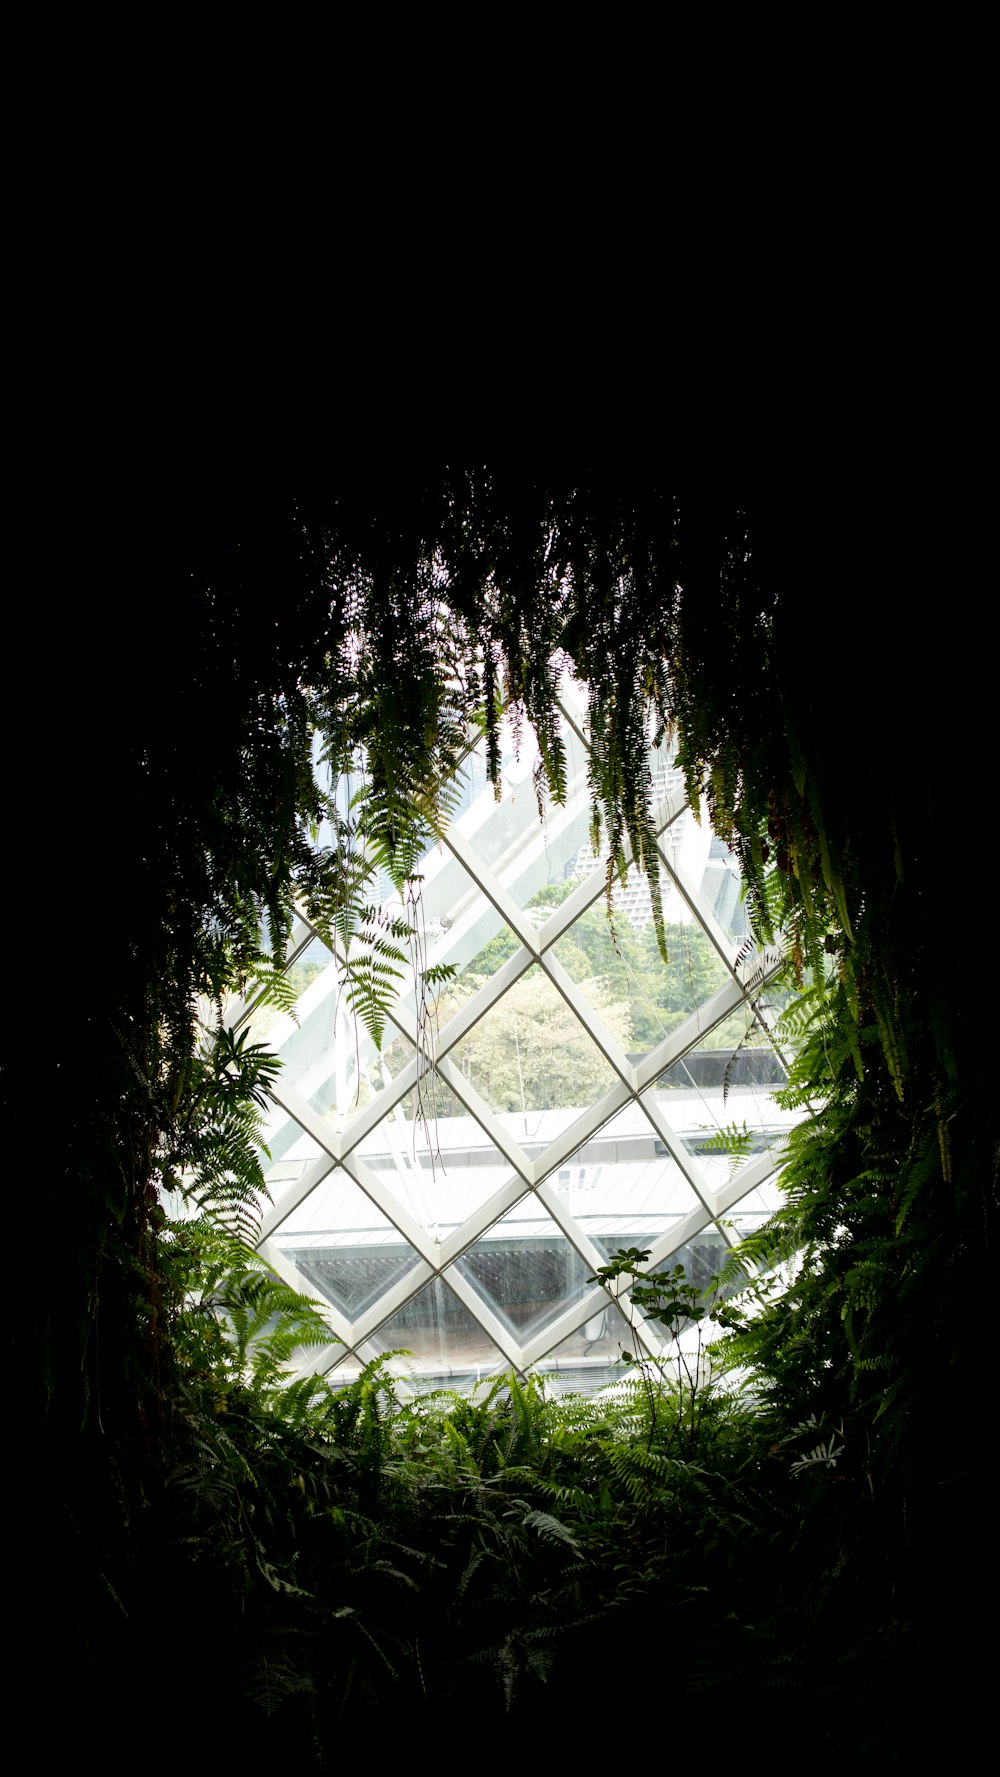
(384, 616)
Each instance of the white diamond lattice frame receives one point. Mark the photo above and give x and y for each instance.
(454, 1204)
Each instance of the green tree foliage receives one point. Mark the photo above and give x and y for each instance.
(617, 966)
(532, 1052)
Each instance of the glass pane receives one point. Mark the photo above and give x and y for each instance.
(591, 1357)
(440, 1167)
(327, 1055)
(308, 966)
(525, 1269)
(702, 1258)
(621, 1187)
(525, 852)
(445, 1341)
(328, 1051)
(291, 1152)
(755, 1064)
(752, 1211)
(396, 1053)
(466, 788)
(667, 778)
(722, 1109)
(451, 918)
(328, 1059)
(530, 1053)
(344, 1245)
(346, 1370)
(710, 869)
(622, 975)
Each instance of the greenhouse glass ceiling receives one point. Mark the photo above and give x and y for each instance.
(449, 1191)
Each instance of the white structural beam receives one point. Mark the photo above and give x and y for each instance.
(440, 1188)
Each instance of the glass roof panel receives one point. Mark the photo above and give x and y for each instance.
(622, 1188)
(445, 1342)
(525, 1269)
(530, 1053)
(437, 1163)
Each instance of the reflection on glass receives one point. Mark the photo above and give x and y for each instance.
(344, 1245)
(439, 1167)
(352, 1278)
(445, 1342)
(622, 1188)
(526, 1270)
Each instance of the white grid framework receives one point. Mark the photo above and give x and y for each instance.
(453, 1200)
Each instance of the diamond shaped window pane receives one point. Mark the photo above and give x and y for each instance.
(709, 869)
(530, 1053)
(342, 1243)
(307, 966)
(445, 1342)
(721, 1113)
(590, 1358)
(753, 1210)
(622, 976)
(622, 1188)
(508, 839)
(451, 919)
(525, 1270)
(439, 1167)
(702, 1258)
(328, 1058)
(290, 1154)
